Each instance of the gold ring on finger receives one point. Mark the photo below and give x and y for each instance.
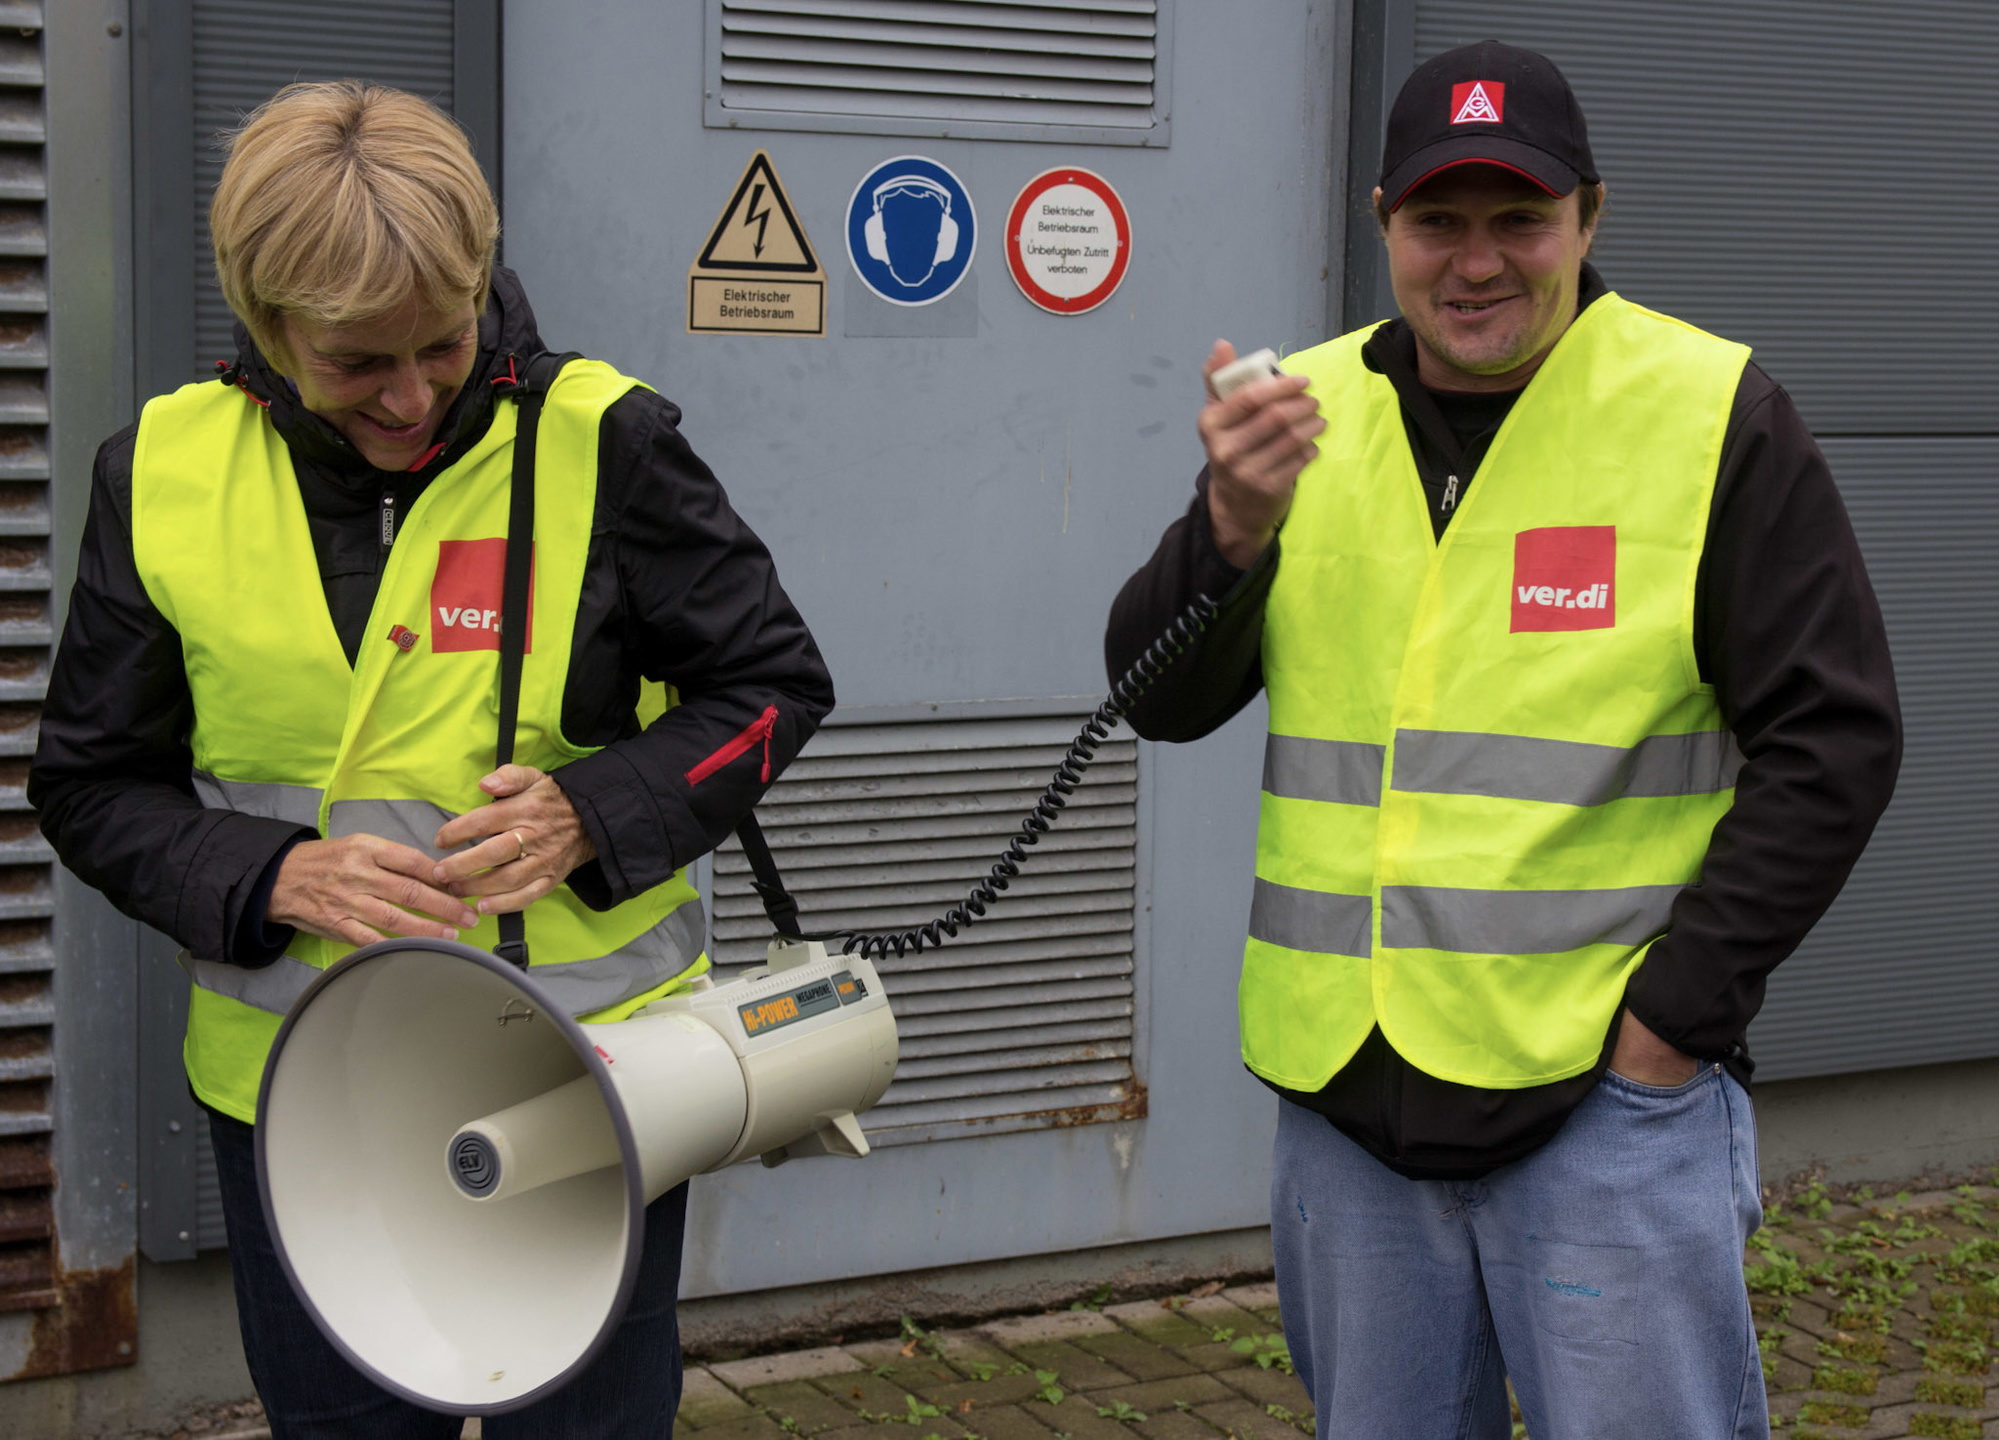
(520, 842)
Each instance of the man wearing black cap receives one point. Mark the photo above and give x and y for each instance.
(1580, 713)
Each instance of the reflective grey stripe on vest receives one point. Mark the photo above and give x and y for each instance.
(274, 987)
(296, 803)
(1346, 772)
(643, 963)
(1521, 922)
(1311, 920)
(414, 823)
(579, 986)
(1563, 772)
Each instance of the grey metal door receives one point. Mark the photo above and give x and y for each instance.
(953, 494)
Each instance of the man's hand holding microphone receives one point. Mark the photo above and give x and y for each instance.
(1258, 437)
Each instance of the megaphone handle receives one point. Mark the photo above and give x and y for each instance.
(529, 392)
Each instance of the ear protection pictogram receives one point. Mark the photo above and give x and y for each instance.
(947, 230)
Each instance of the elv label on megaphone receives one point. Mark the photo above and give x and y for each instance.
(911, 230)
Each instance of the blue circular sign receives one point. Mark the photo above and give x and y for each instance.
(911, 231)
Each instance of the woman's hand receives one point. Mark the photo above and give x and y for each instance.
(536, 839)
(362, 888)
(1257, 441)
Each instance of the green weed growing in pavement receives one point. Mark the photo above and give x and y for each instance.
(1831, 1412)
(1267, 1351)
(915, 1337)
(882, 1371)
(1814, 1203)
(1119, 1410)
(1955, 1357)
(1278, 1412)
(1223, 1335)
(1936, 1390)
(1051, 1389)
(1779, 1274)
(1944, 1427)
(982, 1370)
(1862, 1318)
(918, 1411)
(1845, 1382)
(1183, 1406)
(1098, 1298)
(1766, 1345)
(1866, 1349)
(1949, 1326)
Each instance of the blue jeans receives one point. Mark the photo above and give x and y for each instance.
(629, 1392)
(1602, 1274)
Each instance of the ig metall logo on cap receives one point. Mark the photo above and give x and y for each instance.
(911, 231)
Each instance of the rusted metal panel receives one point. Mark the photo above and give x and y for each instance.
(90, 1322)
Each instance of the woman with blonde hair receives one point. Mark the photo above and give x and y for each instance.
(270, 726)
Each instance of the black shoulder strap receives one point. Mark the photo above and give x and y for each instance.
(529, 392)
(769, 885)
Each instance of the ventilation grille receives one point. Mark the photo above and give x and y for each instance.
(1022, 1022)
(246, 50)
(27, 1001)
(1052, 70)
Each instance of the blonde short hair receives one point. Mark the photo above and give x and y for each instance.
(339, 201)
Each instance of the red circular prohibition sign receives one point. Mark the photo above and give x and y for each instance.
(1017, 217)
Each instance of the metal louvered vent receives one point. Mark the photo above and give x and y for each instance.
(245, 50)
(27, 959)
(1090, 71)
(1022, 1022)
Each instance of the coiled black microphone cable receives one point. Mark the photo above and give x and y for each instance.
(783, 910)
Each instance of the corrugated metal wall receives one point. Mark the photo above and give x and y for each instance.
(244, 50)
(1817, 178)
(28, 1253)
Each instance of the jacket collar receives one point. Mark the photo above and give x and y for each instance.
(507, 328)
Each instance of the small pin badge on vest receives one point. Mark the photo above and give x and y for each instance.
(404, 637)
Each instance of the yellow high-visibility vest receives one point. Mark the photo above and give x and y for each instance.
(395, 744)
(1492, 762)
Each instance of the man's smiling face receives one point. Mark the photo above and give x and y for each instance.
(1486, 266)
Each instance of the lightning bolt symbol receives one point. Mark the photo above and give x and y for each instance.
(760, 217)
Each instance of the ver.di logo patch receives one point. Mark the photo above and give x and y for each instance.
(465, 595)
(1565, 578)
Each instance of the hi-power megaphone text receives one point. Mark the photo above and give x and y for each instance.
(455, 1171)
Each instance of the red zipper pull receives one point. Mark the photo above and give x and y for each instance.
(758, 729)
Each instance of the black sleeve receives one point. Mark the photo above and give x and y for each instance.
(1223, 669)
(699, 607)
(1791, 636)
(112, 774)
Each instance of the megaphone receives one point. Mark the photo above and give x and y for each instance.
(455, 1171)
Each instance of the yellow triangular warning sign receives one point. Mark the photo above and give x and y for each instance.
(758, 231)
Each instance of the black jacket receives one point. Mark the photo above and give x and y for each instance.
(676, 588)
(1786, 629)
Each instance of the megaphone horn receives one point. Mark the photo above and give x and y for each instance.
(455, 1171)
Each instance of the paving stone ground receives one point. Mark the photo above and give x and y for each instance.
(1207, 1366)
(1875, 1317)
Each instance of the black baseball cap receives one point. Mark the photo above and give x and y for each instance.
(1486, 104)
